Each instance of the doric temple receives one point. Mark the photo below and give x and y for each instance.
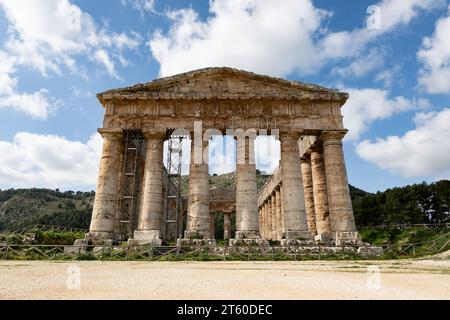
(306, 199)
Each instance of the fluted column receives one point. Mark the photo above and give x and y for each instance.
(282, 212)
(269, 218)
(246, 193)
(103, 219)
(320, 193)
(151, 217)
(309, 194)
(274, 216)
(262, 221)
(227, 226)
(260, 217)
(339, 201)
(266, 219)
(295, 223)
(198, 225)
(279, 232)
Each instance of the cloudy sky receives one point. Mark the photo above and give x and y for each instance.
(392, 56)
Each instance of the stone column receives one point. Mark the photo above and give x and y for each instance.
(103, 219)
(278, 216)
(266, 219)
(212, 226)
(198, 202)
(309, 194)
(151, 217)
(339, 202)
(269, 218)
(227, 225)
(262, 221)
(295, 223)
(260, 217)
(282, 212)
(320, 194)
(246, 195)
(274, 216)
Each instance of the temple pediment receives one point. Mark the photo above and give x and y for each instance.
(223, 83)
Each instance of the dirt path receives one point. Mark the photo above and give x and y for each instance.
(406, 279)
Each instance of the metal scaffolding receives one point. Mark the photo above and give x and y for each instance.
(173, 202)
(131, 181)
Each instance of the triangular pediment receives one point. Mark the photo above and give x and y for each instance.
(222, 83)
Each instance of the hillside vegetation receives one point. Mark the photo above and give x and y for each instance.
(27, 207)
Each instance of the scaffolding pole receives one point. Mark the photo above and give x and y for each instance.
(131, 180)
(173, 202)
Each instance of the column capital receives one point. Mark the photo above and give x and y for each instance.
(110, 133)
(332, 137)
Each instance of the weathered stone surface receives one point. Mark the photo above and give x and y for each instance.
(309, 194)
(234, 99)
(278, 215)
(105, 204)
(295, 222)
(339, 201)
(198, 222)
(222, 83)
(296, 202)
(151, 218)
(246, 201)
(320, 193)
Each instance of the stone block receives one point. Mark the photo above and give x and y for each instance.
(196, 242)
(347, 238)
(298, 235)
(148, 237)
(370, 251)
(297, 242)
(248, 242)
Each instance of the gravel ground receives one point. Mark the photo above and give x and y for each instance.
(405, 279)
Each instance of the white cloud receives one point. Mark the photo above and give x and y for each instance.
(37, 105)
(141, 5)
(392, 14)
(401, 12)
(103, 57)
(48, 34)
(422, 152)
(368, 105)
(435, 56)
(33, 160)
(362, 65)
(271, 37)
(388, 76)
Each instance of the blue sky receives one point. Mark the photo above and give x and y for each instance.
(392, 56)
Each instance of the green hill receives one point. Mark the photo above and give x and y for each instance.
(27, 207)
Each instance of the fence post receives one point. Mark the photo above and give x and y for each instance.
(5, 257)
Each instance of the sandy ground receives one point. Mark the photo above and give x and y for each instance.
(406, 279)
